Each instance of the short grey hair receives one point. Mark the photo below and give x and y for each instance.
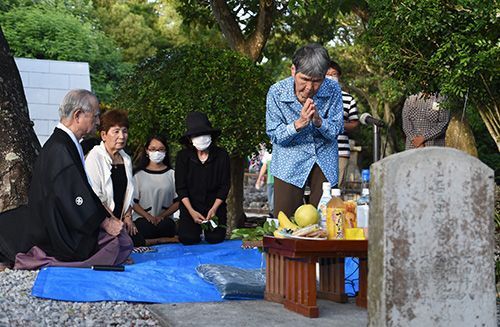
(77, 99)
(311, 60)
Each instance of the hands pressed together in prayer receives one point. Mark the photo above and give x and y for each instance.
(308, 113)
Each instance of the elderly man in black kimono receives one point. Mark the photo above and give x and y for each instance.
(64, 223)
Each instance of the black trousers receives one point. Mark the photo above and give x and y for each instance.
(147, 230)
(4, 259)
(189, 231)
(288, 197)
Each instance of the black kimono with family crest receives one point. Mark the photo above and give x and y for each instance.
(63, 214)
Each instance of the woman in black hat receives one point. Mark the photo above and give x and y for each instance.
(202, 180)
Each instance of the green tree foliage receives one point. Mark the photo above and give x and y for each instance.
(6, 5)
(226, 86)
(133, 26)
(449, 46)
(294, 22)
(52, 32)
(485, 144)
(302, 21)
(372, 86)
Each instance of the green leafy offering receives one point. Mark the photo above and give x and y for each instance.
(254, 234)
(208, 225)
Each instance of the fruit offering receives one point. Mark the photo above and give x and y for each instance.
(285, 223)
(306, 215)
(288, 229)
(312, 231)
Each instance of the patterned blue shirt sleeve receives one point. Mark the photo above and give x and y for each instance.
(279, 132)
(333, 123)
(296, 152)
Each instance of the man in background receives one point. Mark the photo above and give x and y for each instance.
(424, 121)
(351, 122)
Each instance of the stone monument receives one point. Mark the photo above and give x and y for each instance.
(430, 257)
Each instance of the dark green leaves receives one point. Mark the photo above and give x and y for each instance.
(254, 234)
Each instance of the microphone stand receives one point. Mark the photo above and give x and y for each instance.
(376, 143)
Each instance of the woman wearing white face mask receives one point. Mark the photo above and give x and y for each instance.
(202, 179)
(155, 199)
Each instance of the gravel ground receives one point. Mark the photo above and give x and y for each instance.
(19, 308)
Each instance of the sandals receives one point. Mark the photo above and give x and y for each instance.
(144, 249)
(5, 265)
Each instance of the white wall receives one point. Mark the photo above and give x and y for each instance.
(45, 84)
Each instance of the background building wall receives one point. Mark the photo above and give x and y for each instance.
(45, 84)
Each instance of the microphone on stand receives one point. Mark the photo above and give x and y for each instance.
(367, 119)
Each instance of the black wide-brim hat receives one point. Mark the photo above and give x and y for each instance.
(197, 123)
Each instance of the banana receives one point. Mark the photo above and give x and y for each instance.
(320, 233)
(277, 233)
(285, 222)
(306, 230)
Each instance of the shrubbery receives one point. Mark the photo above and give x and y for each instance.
(226, 86)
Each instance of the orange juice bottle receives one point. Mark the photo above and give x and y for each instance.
(335, 217)
(350, 214)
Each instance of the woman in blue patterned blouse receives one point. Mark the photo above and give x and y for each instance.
(304, 116)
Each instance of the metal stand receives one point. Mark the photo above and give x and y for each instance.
(376, 143)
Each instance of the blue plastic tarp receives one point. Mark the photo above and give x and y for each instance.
(166, 276)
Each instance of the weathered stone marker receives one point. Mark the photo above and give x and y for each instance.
(431, 245)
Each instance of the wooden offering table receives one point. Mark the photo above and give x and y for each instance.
(291, 272)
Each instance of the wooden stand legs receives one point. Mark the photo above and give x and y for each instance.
(275, 278)
(292, 281)
(361, 299)
(331, 281)
(300, 293)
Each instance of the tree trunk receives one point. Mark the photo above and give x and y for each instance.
(19, 145)
(253, 45)
(252, 48)
(459, 135)
(235, 214)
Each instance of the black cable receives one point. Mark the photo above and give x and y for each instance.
(349, 281)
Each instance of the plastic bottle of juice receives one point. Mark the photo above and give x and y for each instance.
(363, 210)
(335, 216)
(323, 202)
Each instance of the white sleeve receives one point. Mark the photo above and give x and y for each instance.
(137, 194)
(95, 174)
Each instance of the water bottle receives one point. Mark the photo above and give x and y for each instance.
(363, 211)
(323, 203)
(365, 178)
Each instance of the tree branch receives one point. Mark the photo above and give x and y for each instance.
(490, 126)
(228, 25)
(251, 47)
(258, 38)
